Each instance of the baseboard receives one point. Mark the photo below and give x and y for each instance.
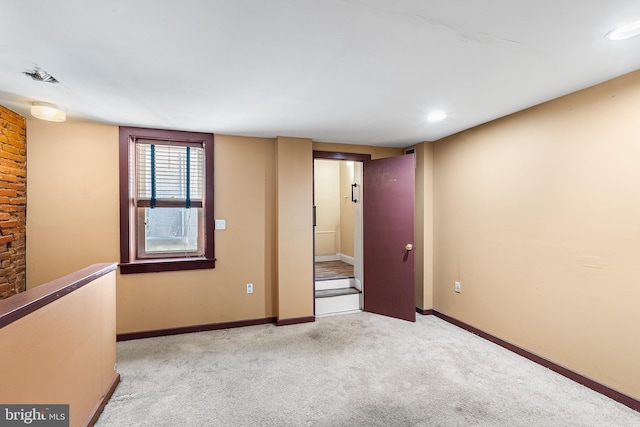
(196, 328)
(295, 320)
(104, 400)
(616, 395)
(323, 258)
(346, 258)
(424, 311)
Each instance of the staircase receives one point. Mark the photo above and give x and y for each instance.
(337, 296)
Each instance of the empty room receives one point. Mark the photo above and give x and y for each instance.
(323, 213)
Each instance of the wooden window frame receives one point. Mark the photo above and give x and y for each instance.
(129, 262)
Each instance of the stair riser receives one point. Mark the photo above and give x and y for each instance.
(322, 285)
(338, 304)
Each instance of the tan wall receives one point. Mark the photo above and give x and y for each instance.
(295, 227)
(73, 221)
(346, 209)
(245, 252)
(72, 216)
(63, 353)
(424, 225)
(376, 152)
(537, 215)
(327, 201)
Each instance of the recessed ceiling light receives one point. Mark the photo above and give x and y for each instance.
(436, 116)
(49, 112)
(625, 31)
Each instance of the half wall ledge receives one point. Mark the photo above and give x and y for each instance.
(24, 303)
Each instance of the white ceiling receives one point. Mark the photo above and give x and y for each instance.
(352, 71)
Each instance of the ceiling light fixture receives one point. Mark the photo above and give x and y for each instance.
(49, 112)
(436, 116)
(625, 31)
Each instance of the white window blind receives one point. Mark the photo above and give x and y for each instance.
(169, 175)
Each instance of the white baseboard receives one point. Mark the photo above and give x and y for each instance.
(346, 258)
(337, 257)
(322, 258)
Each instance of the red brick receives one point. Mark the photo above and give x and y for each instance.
(17, 158)
(13, 171)
(17, 200)
(12, 208)
(18, 186)
(12, 202)
(8, 178)
(12, 117)
(18, 143)
(9, 148)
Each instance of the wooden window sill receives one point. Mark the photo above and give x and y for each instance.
(166, 264)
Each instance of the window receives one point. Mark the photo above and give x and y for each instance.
(166, 200)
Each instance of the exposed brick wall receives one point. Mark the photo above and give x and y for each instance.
(13, 202)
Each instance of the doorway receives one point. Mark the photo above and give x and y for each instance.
(338, 236)
(383, 195)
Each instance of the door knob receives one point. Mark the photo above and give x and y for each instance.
(409, 246)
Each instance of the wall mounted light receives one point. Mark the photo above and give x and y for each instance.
(625, 31)
(49, 112)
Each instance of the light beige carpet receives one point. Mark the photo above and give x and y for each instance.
(353, 370)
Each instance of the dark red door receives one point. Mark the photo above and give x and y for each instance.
(388, 228)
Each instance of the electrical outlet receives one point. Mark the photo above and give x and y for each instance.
(456, 286)
(249, 288)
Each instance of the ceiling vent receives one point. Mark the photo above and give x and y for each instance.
(40, 75)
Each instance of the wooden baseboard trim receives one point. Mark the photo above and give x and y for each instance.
(295, 320)
(424, 311)
(104, 400)
(616, 395)
(196, 328)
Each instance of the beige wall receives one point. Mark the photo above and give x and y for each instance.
(295, 228)
(424, 225)
(63, 353)
(537, 215)
(72, 212)
(245, 252)
(73, 221)
(326, 195)
(334, 209)
(346, 209)
(376, 152)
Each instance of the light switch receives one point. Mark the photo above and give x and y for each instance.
(221, 224)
